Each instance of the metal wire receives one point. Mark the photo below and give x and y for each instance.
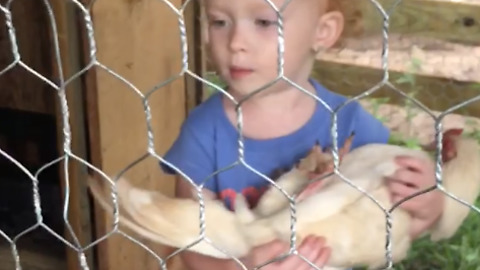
(68, 156)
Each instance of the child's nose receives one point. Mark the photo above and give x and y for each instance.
(238, 40)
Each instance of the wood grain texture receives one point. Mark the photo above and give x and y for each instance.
(436, 93)
(442, 19)
(138, 40)
(20, 89)
(79, 207)
(197, 63)
(30, 259)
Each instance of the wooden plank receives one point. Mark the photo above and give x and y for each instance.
(426, 56)
(79, 208)
(457, 21)
(194, 88)
(95, 152)
(138, 40)
(196, 54)
(31, 260)
(434, 92)
(20, 89)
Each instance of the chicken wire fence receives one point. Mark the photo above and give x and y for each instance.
(93, 62)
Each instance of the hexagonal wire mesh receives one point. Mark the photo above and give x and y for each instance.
(68, 154)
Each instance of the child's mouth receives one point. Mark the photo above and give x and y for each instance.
(238, 73)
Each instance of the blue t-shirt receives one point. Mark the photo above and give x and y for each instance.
(208, 142)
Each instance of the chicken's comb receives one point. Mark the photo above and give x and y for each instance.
(452, 132)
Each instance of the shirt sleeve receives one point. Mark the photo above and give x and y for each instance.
(192, 154)
(368, 129)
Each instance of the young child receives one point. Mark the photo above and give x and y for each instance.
(280, 124)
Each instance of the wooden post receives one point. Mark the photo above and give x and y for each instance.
(196, 56)
(79, 208)
(19, 89)
(140, 41)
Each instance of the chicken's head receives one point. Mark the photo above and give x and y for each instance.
(320, 162)
(449, 146)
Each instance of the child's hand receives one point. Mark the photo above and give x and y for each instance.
(312, 248)
(416, 175)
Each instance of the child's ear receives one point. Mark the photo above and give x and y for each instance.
(329, 28)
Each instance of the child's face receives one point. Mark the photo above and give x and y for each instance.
(243, 39)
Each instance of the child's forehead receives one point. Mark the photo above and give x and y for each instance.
(261, 5)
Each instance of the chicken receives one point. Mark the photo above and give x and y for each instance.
(353, 224)
(316, 164)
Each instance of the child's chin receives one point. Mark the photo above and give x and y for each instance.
(245, 86)
(253, 83)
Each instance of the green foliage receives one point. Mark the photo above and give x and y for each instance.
(457, 253)
(412, 143)
(476, 86)
(409, 79)
(213, 78)
(461, 252)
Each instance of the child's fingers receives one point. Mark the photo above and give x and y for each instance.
(274, 249)
(322, 257)
(309, 252)
(291, 261)
(401, 188)
(414, 164)
(267, 252)
(410, 178)
(399, 191)
(312, 249)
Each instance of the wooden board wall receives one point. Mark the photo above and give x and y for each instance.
(197, 55)
(457, 21)
(19, 88)
(440, 20)
(70, 53)
(138, 40)
(436, 93)
(22, 91)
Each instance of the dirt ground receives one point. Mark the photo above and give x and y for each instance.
(436, 57)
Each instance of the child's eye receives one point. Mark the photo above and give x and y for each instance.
(265, 23)
(217, 22)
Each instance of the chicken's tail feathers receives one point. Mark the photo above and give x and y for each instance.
(175, 222)
(461, 179)
(100, 196)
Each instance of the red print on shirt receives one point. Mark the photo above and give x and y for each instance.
(252, 195)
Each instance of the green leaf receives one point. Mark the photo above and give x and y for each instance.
(476, 86)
